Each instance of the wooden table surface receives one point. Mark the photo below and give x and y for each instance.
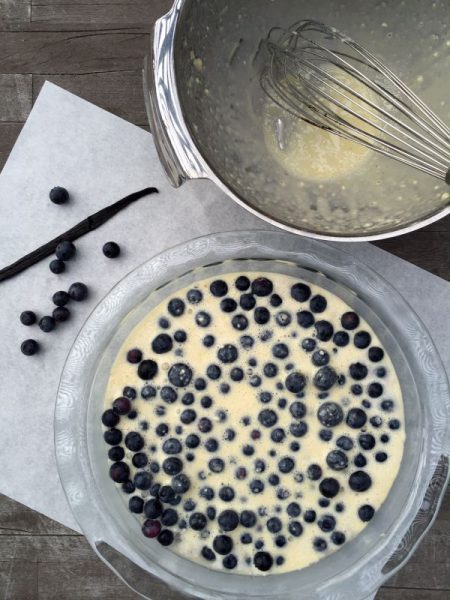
(95, 49)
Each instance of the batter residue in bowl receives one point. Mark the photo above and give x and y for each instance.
(255, 423)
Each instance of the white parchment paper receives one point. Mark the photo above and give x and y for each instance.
(100, 158)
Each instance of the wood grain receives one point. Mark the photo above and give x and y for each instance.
(95, 48)
(119, 92)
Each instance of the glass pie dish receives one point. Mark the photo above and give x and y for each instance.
(360, 567)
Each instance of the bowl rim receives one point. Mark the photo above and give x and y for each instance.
(68, 399)
(182, 158)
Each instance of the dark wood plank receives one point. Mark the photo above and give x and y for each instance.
(18, 520)
(119, 14)
(14, 14)
(18, 580)
(16, 97)
(118, 92)
(404, 594)
(8, 136)
(64, 53)
(429, 250)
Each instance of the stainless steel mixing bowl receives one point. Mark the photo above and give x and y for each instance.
(207, 111)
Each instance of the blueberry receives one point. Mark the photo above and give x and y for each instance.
(180, 375)
(151, 528)
(188, 416)
(128, 487)
(223, 544)
(142, 480)
(134, 356)
(110, 418)
(154, 467)
(246, 538)
(60, 298)
(286, 464)
(308, 344)
(132, 414)
(274, 479)
(228, 520)
(207, 493)
(324, 330)
(194, 296)
(189, 506)
(283, 318)
(338, 538)
(295, 382)
(121, 405)
(380, 372)
(57, 266)
(325, 378)
(162, 343)
(169, 517)
(320, 544)
(65, 250)
(394, 424)
(165, 538)
(366, 513)
(359, 481)
(218, 288)
(203, 319)
(274, 525)
(317, 304)
(61, 314)
(297, 410)
(113, 436)
(205, 425)
(262, 315)
(362, 339)
(168, 394)
(344, 442)
(356, 418)
(293, 509)
(29, 347)
(387, 405)
(47, 324)
(327, 523)
(267, 417)
(320, 358)
(172, 446)
(248, 450)
(164, 323)
(161, 429)
(262, 286)
(229, 435)
(381, 457)
(216, 465)
(330, 414)
(176, 307)
(208, 341)
(227, 353)
(376, 421)
(136, 504)
(116, 453)
(166, 494)
(300, 292)
(298, 429)
(350, 320)
(337, 460)
(270, 370)
(305, 319)
(211, 513)
(140, 460)
(172, 465)
(325, 435)
(260, 466)
(329, 487)
(187, 399)
(211, 445)
(366, 441)
(341, 338)
(248, 518)
(375, 390)
(242, 283)
(119, 472)
(208, 554)
(356, 389)
(239, 322)
(59, 195)
(213, 371)
(247, 301)
(376, 354)
(360, 460)
(265, 397)
(228, 305)
(247, 341)
(256, 486)
(111, 250)
(78, 291)
(358, 371)
(226, 493)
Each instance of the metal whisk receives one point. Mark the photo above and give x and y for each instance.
(327, 79)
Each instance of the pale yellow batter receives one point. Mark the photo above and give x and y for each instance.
(241, 405)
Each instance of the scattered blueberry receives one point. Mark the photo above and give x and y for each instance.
(111, 250)
(57, 266)
(78, 291)
(47, 324)
(65, 250)
(29, 347)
